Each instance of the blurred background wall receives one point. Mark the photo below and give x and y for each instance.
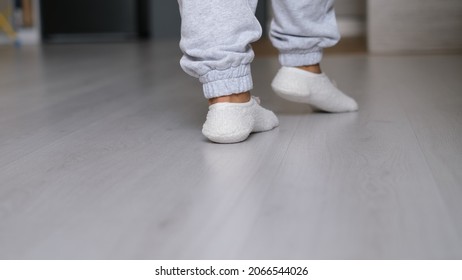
(390, 26)
(414, 25)
(351, 17)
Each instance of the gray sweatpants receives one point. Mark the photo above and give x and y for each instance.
(215, 38)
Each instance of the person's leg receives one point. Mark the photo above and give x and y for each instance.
(300, 30)
(215, 40)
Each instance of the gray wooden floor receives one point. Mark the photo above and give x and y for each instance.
(101, 156)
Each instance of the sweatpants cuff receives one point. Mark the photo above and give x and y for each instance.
(218, 83)
(300, 59)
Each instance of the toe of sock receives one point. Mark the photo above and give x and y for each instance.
(265, 120)
(315, 89)
(352, 106)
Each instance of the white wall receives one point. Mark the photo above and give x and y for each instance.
(414, 25)
(355, 8)
(351, 17)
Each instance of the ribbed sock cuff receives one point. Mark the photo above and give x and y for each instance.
(226, 82)
(300, 59)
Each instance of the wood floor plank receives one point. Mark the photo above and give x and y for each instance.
(356, 186)
(117, 168)
(63, 110)
(434, 109)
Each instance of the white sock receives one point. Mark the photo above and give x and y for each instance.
(315, 89)
(233, 122)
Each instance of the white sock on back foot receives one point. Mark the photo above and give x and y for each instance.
(233, 122)
(315, 89)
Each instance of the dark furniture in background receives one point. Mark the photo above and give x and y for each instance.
(88, 20)
(67, 21)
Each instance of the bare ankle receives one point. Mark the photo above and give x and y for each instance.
(233, 98)
(316, 68)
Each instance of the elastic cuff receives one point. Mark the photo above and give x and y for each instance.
(300, 59)
(218, 83)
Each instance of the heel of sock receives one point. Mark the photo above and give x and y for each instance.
(291, 85)
(234, 122)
